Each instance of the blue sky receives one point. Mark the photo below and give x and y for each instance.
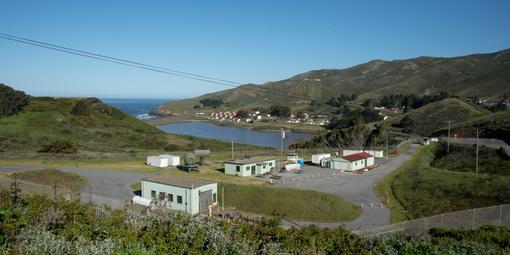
(245, 41)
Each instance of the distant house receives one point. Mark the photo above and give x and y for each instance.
(249, 167)
(353, 162)
(181, 193)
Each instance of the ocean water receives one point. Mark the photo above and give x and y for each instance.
(138, 107)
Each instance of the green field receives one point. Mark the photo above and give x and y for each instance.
(294, 204)
(417, 189)
(51, 177)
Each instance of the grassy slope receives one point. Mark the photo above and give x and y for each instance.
(496, 125)
(432, 117)
(417, 190)
(481, 75)
(50, 177)
(45, 120)
(291, 203)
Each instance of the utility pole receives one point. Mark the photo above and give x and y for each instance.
(387, 144)
(232, 150)
(448, 146)
(477, 135)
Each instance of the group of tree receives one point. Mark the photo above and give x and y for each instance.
(242, 113)
(57, 225)
(410, 101)
(280, 111)
(341, 100)
(212, 102)
(11, 101)
(351, 117)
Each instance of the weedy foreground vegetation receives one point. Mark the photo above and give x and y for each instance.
(42, 225)
(434, 182)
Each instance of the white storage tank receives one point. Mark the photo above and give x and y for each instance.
(138, 200)
(317, 158)
(290, 167)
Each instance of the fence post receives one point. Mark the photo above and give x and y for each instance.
(473, 220)
(500, 213)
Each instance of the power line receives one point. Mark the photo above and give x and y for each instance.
(135, 64)
(112, 60)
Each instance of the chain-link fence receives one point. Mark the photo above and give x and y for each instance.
(25, 188)
(468, 219)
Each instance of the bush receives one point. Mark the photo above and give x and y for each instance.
(60, 146)
(11, 101)
(281, 111)
(212, 102)
(80, 108)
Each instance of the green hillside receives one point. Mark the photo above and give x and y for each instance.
(432, 117)
(496, 125)
(84, 126)
(473, 75)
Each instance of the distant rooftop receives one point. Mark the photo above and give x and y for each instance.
(248, 161)
(183, 182)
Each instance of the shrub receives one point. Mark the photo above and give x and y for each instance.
(11, 101)
(60, 146)
(80, 108)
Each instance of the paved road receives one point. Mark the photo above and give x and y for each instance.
(490, 143)
(106, 185)
(357, 189)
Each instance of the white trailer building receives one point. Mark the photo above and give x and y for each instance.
(249, 167)
(172, 159)
(157, 161)
(181, 193)
(353, 162)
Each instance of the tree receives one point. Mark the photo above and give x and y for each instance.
(212, 102)
(242, 113)
(11, 101)
(280, 111)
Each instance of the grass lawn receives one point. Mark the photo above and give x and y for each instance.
(50, 177)
(305, 205)
(418, 190)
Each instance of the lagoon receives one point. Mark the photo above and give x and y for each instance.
(238, 135)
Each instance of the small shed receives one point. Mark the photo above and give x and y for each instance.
(376, 153)
(157, 161)
(181, 193)
(353, 162)
(347, 152)
(172, 159)
(249, 167)
(292, 156)
(317, 158)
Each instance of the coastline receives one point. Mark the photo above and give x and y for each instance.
(258, 126)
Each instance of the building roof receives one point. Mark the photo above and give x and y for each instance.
(357, 156)
(183, 182)
(248, 161)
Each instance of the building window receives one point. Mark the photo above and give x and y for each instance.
(238, 169)
(179, 199)
(162, 195)
(247, 168)
(270, 163)
(214, 197)
(171, 197)
(153, 193)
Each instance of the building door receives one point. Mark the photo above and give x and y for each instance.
(252, 170)
(205, 198)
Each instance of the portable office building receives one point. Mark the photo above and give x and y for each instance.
(249, 167)
(353, 162)
(172, 159)
(181, 193)
(317, 158)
